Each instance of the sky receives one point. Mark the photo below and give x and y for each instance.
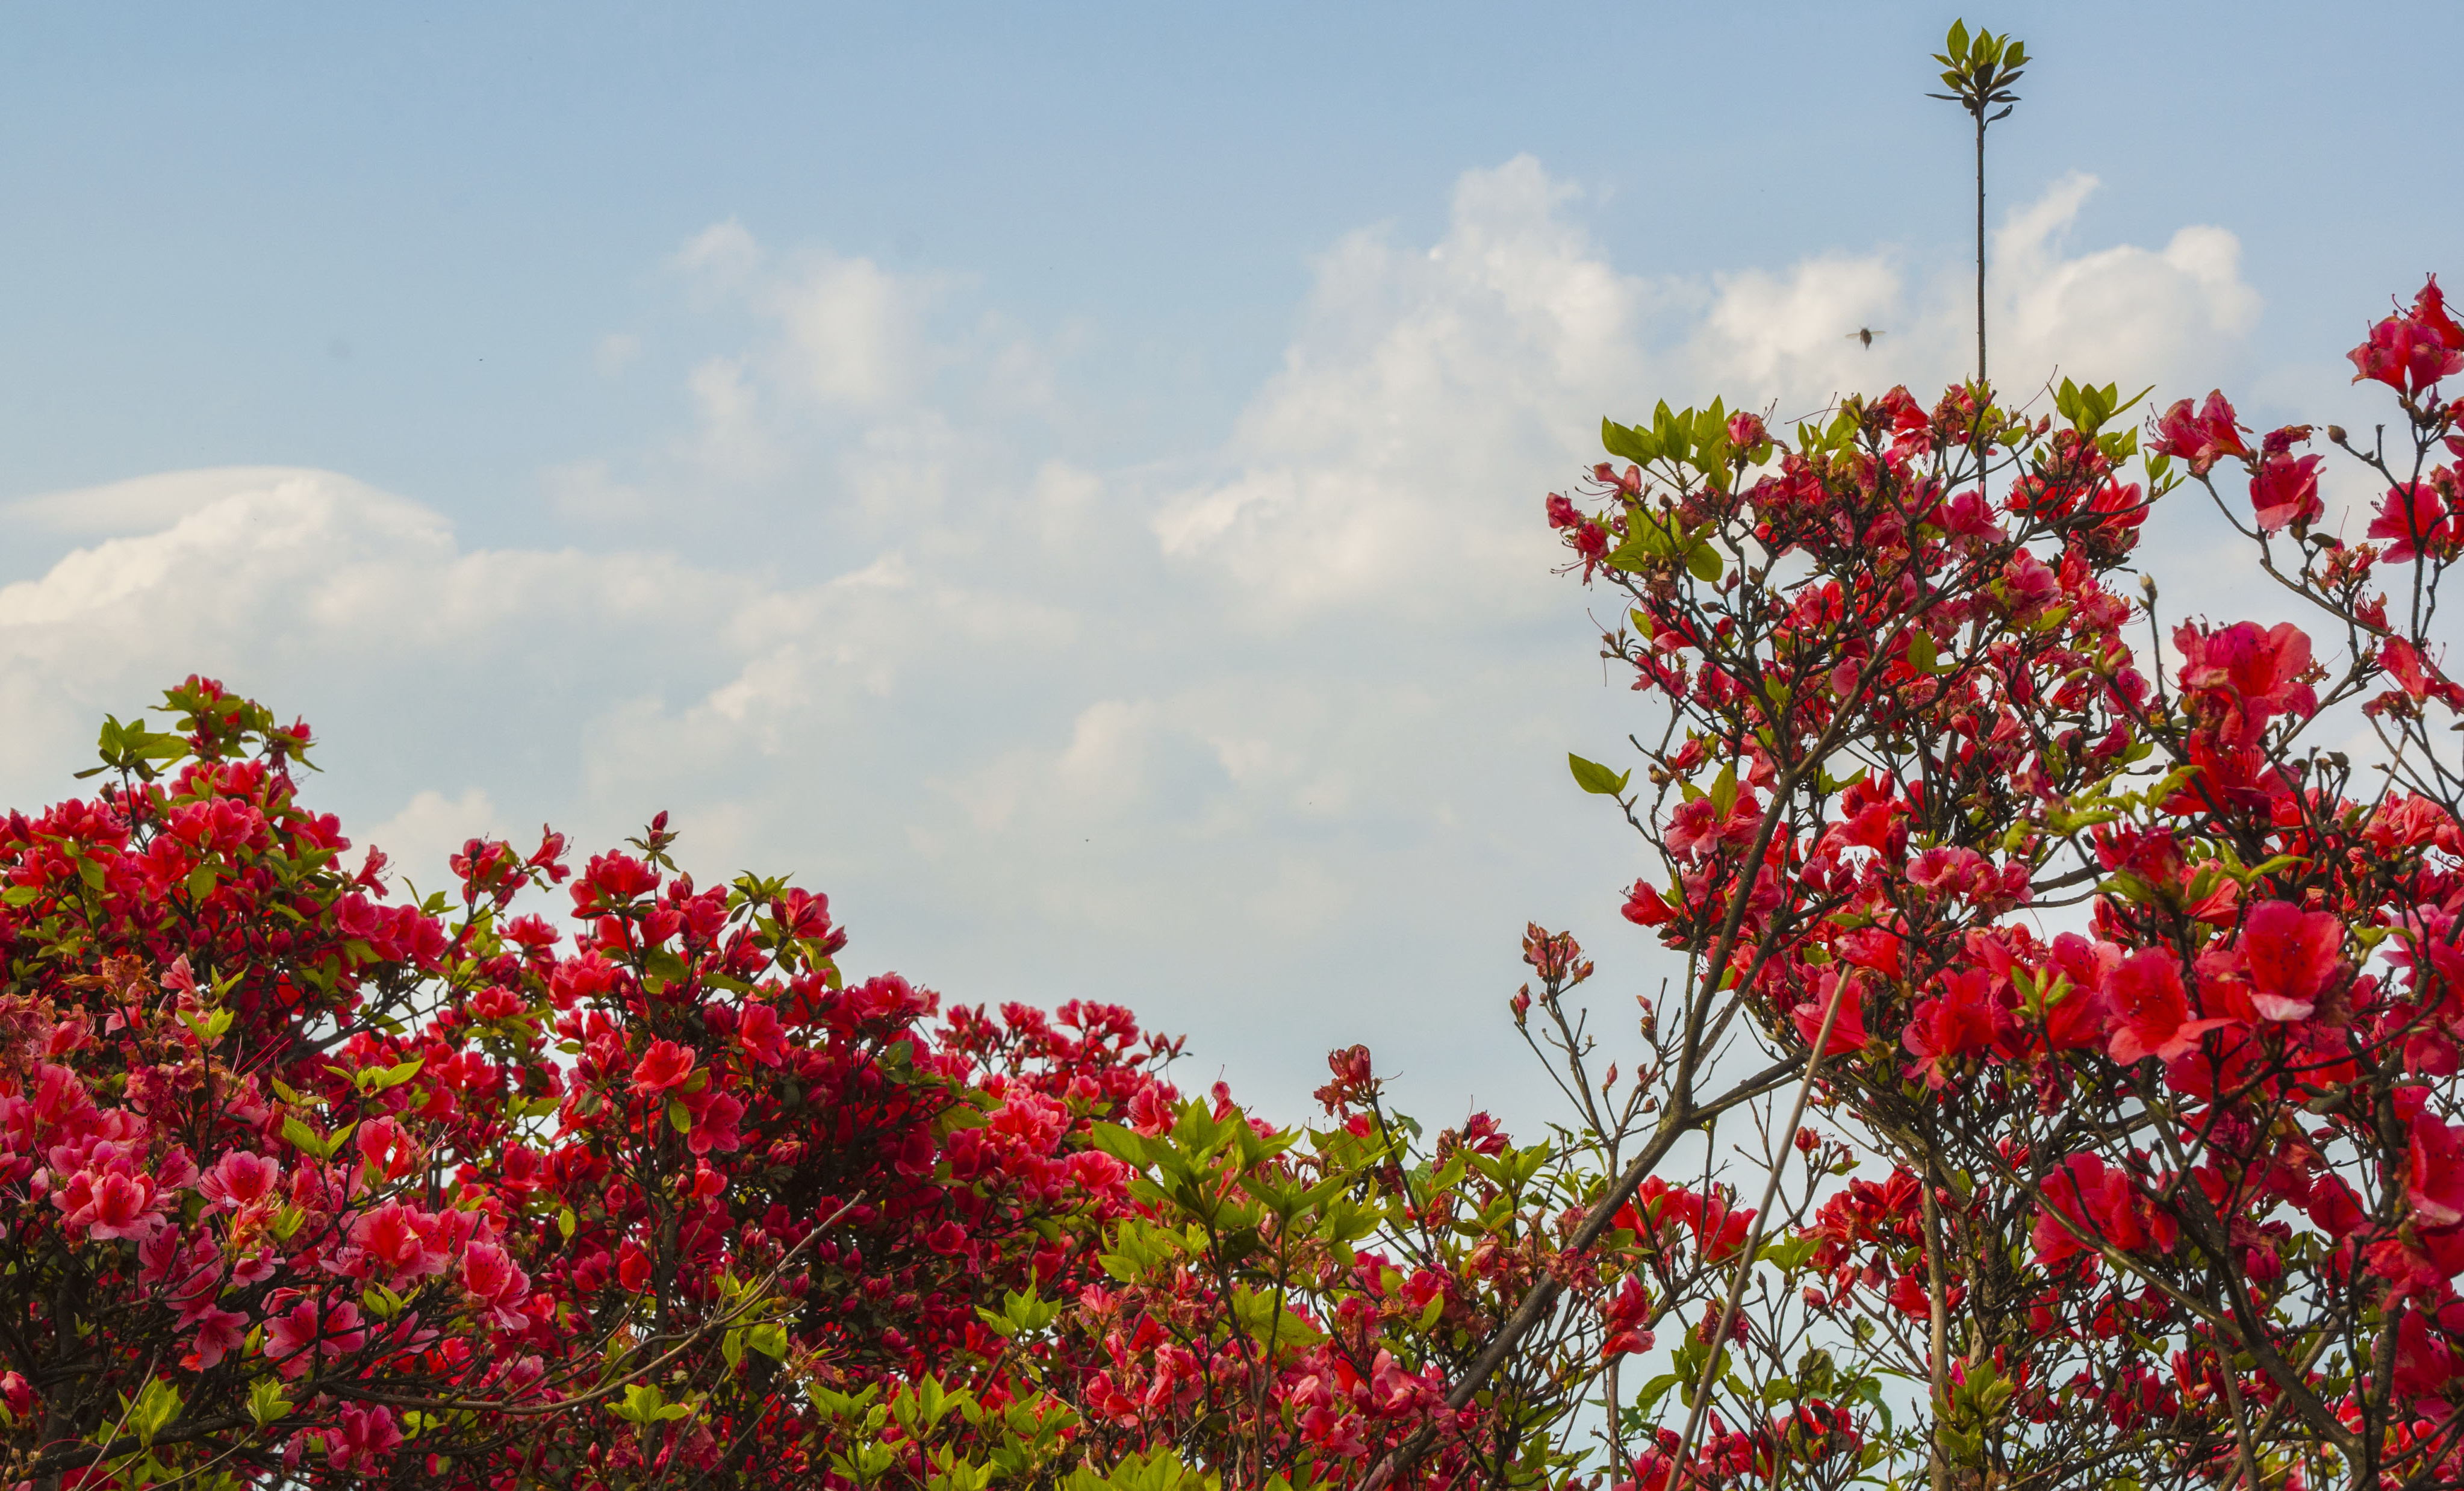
(1066, 481)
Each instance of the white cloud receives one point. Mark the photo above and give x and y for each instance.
(851, 330)
(1273, 752)
(1397, 460)
(588, 492)
(432, 828)
(730, 438)
(721, 257)
(140, 505)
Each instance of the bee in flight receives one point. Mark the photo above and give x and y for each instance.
(1864, 336)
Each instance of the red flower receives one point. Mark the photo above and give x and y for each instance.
(1644, 907)
(759, 1034)
(2424, 1364)
(2419, 677)
(393, 1235)
(632, 1267)
(2290, 955)
(497, 1285)
(1848, 1031)
(111, 1204)
(2102, 1202)
(2202, 438)
(667, 1065)
(2435, 1180)
(2151, 1012)
(2248, 675)
(2413, 522)
(2285, 490)
(1958, 1022)
(1627, 1311)
(2412, 351)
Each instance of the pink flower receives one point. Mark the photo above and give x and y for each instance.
(667, 1065)
(401, 1238)
(2290, 955)
(363, 1436)
(111, 1204)
(219, 1333)
(296, 1338)
(499, 1287)
(239, 1179)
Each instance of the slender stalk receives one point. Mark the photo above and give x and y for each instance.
(1938, 1331)
(1980, 246)
(1754, 1240)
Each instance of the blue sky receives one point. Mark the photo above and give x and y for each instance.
(1065, 480)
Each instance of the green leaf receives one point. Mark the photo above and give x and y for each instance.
(1593, 778)
(1703, 563)
(157, 1404)
(645, 1404)
(1121, 1144)
(769, 1338)
(1724, 790)
(266, 1402)
(396, 1075)
(1628, 442)
(306, 1139)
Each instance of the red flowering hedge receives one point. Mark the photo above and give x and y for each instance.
(305, 1184)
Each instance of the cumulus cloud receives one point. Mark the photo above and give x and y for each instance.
(1396, 460)
(851, 329)
(1272, 750)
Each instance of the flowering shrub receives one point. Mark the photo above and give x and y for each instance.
(308, 1185)
(2176, 1191)
(301, 1182)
